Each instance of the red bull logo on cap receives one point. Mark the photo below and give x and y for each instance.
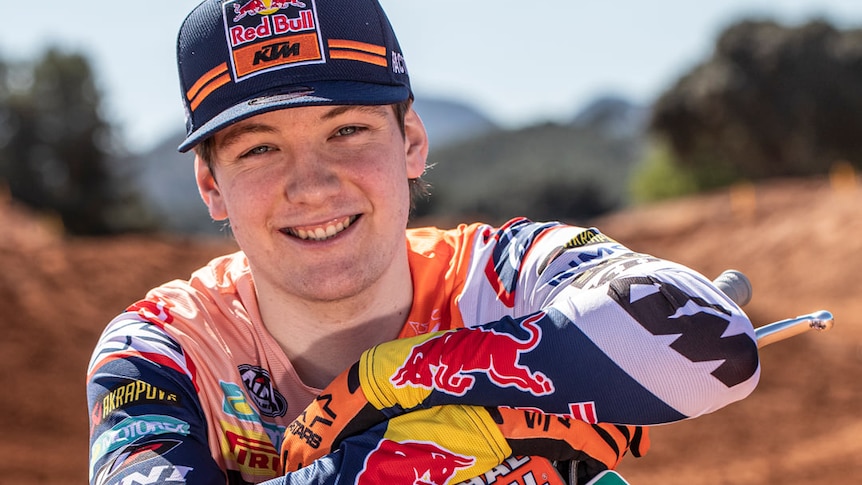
(269, 34)
(266, 7)
(411, 462)
(448, 362)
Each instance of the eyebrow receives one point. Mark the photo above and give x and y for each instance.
(370, 109)
(233, 133)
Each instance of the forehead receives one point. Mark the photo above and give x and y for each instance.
(296, 116)
(303, 115)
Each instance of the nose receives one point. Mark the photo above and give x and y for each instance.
(311, 179)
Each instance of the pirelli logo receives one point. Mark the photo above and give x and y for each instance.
(252, 452)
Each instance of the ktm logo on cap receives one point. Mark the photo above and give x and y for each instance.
(270, 34)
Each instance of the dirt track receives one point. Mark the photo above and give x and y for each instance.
(800, 242)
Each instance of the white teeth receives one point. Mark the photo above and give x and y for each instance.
(321, 233)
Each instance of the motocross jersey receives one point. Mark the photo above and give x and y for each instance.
(188, 386)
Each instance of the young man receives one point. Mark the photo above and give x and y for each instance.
(339, 347)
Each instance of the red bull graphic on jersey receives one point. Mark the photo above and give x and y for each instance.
(411, 462)
(449, 362)
(271, 34)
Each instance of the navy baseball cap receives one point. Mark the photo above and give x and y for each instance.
(240, 58)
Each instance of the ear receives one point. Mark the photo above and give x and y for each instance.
(209, 190)
(415, 144)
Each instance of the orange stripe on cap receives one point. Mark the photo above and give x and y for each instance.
(358, 56)
(357, 46)
(217, 73)
(208, 90)
(357, 51)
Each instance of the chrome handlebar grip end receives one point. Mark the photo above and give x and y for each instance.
(821, 321)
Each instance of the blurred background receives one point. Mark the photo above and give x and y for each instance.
(718, 135)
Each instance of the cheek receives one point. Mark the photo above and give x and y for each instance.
(245, 197)
(385, 175)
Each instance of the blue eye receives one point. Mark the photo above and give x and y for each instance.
(347, 130)
(259, 150)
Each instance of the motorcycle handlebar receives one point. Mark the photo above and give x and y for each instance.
(738, 287)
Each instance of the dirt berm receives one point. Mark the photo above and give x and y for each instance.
(799, 241)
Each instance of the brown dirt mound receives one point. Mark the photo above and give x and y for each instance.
(800, 242)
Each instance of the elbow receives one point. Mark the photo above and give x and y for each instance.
(734, 377)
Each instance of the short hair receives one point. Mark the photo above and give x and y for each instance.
(420, 189)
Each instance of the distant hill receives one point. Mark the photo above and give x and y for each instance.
(449, 122)
(167, 181)
(614, 115)
(549, 171)
(570, 170)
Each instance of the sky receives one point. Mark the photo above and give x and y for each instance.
(518, 61)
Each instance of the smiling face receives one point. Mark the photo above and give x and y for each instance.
(318, 197)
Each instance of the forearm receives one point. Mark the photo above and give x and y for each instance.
(654, 343)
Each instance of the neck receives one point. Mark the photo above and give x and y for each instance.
(323, 338)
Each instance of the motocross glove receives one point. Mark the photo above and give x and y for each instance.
(341, 412)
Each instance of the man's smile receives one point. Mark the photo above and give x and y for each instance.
(323, 231)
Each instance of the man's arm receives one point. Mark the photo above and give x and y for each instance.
(146, 423)
(637, 341)
(620, 337)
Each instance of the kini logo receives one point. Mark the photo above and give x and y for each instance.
(136, 454)
(411, 462)
(446, 362)
(269, 401)
(270, 34)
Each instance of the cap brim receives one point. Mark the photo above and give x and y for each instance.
(321, 94)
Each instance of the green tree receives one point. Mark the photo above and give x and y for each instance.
(771, 101)
(56, 145)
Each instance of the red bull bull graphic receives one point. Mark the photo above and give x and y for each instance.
(411, 462)
(448, 362)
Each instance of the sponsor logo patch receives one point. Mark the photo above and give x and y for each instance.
(136, 454)
(451, 362)
(264, 35)
(132, 429)
(252, 452)
(258, 383)
(134, 392)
